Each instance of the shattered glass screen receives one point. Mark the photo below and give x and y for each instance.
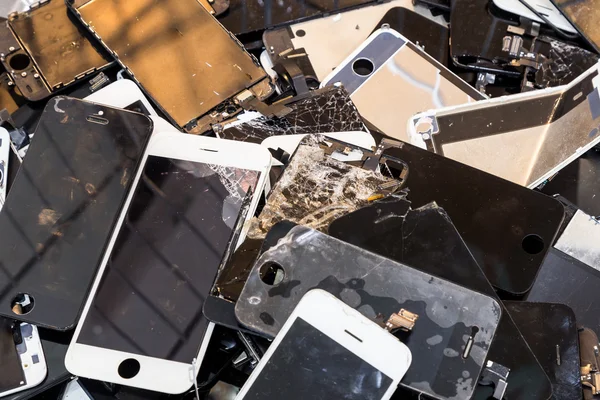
(316, 189)
(167, 254)
(322, 369)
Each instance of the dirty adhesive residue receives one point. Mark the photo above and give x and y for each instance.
(434, 340)
(124, 177)
(315, 190)
(56, 107)
(450, 352)
(48, 217)
(90, 189)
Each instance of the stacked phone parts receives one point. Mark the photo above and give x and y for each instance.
(344, 32)
(144, 314)
(368, 282)
(41, 64)
(331, 354)
(525, 138)
(62, 206)
(179, 55)
(380, 73)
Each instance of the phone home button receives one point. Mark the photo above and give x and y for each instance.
(129, 368)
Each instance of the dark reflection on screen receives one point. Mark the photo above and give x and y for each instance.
(321, 368)
(165, 259)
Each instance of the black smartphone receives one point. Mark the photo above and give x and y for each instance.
(62, 206)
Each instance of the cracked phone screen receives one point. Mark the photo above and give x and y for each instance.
(167, 253)
(322, 369)
(314, 190)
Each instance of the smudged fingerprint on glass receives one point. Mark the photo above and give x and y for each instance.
(316, 362)
(164, 262)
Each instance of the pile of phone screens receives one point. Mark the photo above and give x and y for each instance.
(175, 50)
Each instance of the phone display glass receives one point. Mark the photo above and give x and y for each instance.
(178, 226)
(308, 364)
(62, 207)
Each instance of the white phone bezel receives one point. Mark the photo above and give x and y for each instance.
(333, 318)
(554, 14)
(157, 374)
(121, 94)
(34, 373)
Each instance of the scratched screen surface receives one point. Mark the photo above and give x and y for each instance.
(321, 369)
(162, 267)
(61, 208)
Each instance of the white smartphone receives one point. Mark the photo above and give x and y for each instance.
(328, 350)
(22, 357)
(142, 324)
(543, 7)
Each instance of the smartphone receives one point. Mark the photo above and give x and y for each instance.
(62, 207)
(543, 7)
(328, 350)
(144, 317)
(22, 357)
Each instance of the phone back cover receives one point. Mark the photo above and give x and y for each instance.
(374, 285)
(61, 209)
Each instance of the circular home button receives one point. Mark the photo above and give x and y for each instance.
(129, 368)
